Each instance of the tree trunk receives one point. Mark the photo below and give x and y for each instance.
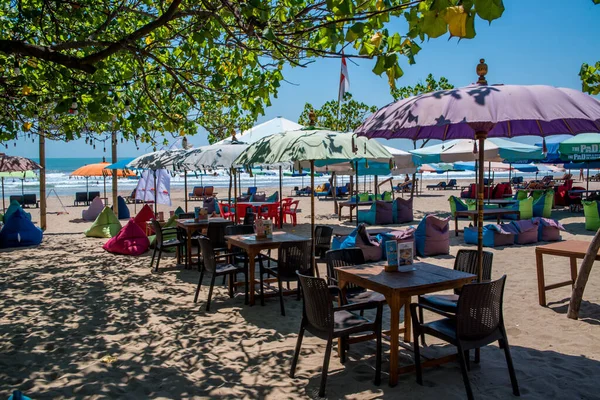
(582, 277)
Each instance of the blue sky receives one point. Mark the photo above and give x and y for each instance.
(534, 42)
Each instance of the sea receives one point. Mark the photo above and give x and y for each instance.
(59, 179)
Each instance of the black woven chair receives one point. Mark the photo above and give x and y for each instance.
(478, 322)
(210, 266)
(466, 261)
(186, 216)
(216, 233)
(322, 240)
(320, 318)
(249, 217)
(239, 255)
(346, 257)
(291, 257)
(161, 244)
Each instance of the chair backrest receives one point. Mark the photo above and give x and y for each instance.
(318, 304)
(251, 190)
(342, 258)
(250, 217)
(466, 261)
(186, 216)
(158, 231)
(323, 235)
(452, 182)
(93, 195)
(208, 190)
(208, 254)
(216, 233)
(479, 310)
(239, 230)
(294, 206)
(198, 191)
(292, 257)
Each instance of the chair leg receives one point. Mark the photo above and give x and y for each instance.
(152, 260)
(231, 279)
(325, 367)
(246, 301)
(262, 288)
(343, 350)
(281, 296)
(378, 357)
(467, 360)
(212, 285)
(465, 374)
(477, 355)
(422, 321)
(158, 259)
(417, 351)
(199, 285)
(511, 368)
(297, 352)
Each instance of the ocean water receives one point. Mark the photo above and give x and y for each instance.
(58, 178)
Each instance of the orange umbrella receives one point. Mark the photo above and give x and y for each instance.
(98, 170)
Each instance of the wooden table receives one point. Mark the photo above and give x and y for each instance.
(150, 229)
(501, 202)
(190, 226)
(497, 212)
(254, 246)
(352, 205)
(398, 287)
(573, 249)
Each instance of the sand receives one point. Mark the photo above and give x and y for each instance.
(77, 322)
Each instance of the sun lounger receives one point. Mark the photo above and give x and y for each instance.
(26, 200)
(81, 198)
(197, 193)
(439, 186)
(451, 184)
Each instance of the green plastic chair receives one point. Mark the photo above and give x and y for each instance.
(591, 214)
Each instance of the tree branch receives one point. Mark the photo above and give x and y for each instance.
(44, 53)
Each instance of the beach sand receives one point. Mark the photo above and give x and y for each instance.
(77, 322)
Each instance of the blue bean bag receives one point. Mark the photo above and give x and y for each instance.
(368, 216)
(344, 242)
(14, 206)
(19, 231)
(494, 235)
(123, 210)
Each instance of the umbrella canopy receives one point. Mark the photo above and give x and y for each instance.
(481, 111)
(584, 147)
(437, 168)
(15, 163)
(268, 128)
(489, 166)
(19, 175)
(215, 156)
(496, 149)
(162, 159)
(120, 164)
(99, 169)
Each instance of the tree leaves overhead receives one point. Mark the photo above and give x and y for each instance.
(590, 78)
(351, 114)
(430, 85)
(151, 68)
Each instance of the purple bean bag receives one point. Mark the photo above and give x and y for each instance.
(210, 204)
(549, 229)
(405, 236)
(526, 231)
(93, 210)
(131, 241)
(432, 236)
(370, 248)
(403, 210)
(383, 213)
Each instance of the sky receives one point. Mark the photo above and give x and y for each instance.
(534, 42)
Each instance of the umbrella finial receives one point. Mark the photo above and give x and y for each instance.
(475, 147)
(312, 118)
(482, 70)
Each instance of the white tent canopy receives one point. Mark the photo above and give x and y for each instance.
(270, 127)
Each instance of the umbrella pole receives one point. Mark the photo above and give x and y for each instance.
(280, 197)
(312, 217)
(185, 197)
(155, 196)
(42, 180)
(3, 203)
(115, 175)
(587, 186)
(104, 175)
(356, 197)
(229, 191)
(87, 189)
(237, 217)
(481, 138)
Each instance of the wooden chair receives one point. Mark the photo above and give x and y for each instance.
(478, 322)
(320, 318)
(210, 266)
(292, 211)
(291, 257)
(160, 243)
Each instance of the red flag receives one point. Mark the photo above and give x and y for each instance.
(344, 80)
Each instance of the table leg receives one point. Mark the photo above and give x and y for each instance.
(251, 274)
(407, 320)
(456, 225)
(351, 212)
(340, 208)
(395, 304)
(188, 249)
(539, 262)
(573, 270)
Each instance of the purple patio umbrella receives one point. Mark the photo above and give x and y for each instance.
(482, 110)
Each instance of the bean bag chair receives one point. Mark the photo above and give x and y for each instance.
(368, 216)
(520, 195)
(258, 197)
(399, 236)
(106, 225)
(362, 197)
(123, 210)
(591, 214)
(549, 229)
(1, 217)
(12, 208)
(402, 210)
(344, 242)
(457, 204)
(432, 236)
(386, 196)
(494, 235)
(179, 211)
(19, 231)
(542, 206)
(370, 248)
(210, 203)
(131, 241)
(93, 210)
(243, 199)
(145, 215)
(171, 223)
(525, 207)
(273, 198)
(525, 230)
(383, 213)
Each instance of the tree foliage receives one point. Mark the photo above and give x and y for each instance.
(351, 114)
(147, 67)
(590, 78)
(430, 85)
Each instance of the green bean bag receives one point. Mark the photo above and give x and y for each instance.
(387, 196)
(521, 195)
(592, 215)
(171, 223)
(542, 206)
(14, 206)
(525, 207)
(179, 211)
(106, 225)
(456, 204)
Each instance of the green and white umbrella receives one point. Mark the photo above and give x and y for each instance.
(583, 147)
(310, 148)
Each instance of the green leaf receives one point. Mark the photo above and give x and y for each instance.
(379, 65)
(489, 10)
(434, 24)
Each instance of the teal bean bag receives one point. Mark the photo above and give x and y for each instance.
(19, 231)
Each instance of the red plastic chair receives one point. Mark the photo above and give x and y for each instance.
(240, 211)
(229, 214)
(291, 210)
(270, 211)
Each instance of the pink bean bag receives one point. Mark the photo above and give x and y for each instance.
(93, 210)
(432, 236)
(526, 231)
(145, 215)
(370, 248)
(131, 241)
(549, 229)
